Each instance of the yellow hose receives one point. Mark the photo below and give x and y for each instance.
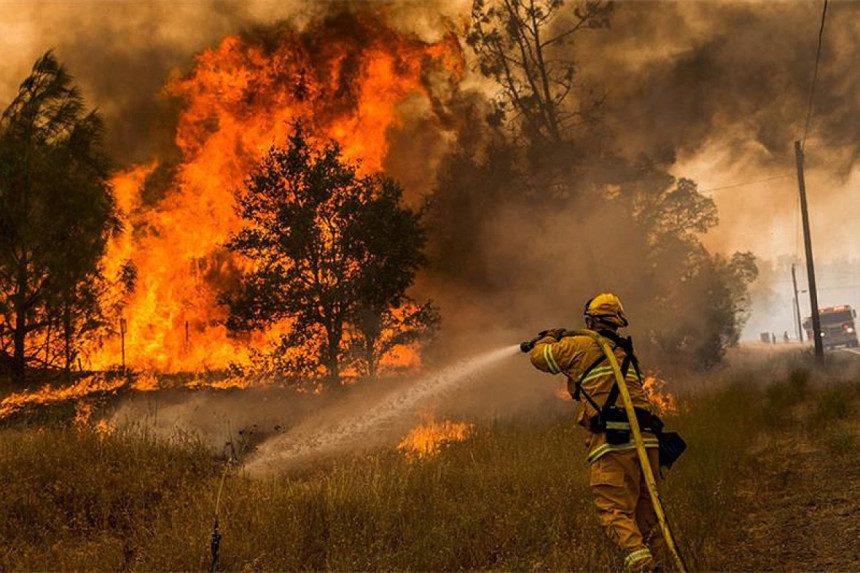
(640, 446)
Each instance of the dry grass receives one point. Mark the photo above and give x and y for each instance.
(511, 497)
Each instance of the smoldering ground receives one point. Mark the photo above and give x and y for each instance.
(275, 429)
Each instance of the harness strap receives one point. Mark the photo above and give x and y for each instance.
(578, 389)
(578, 385)
(614, 392)
(626, 344)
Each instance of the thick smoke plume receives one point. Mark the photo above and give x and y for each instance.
(719, 89)
(123, 53)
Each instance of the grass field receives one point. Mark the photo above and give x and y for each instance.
(511, 497)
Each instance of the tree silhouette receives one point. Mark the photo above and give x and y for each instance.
(622, 222)
(334, 254)
(523, 45)
(56, 214)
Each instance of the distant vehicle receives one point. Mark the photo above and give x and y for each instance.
(837, 326)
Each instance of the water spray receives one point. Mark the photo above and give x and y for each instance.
(310, 440)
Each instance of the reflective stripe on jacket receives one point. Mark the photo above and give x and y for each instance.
(572, 355)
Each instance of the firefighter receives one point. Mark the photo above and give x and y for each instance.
(620, 494)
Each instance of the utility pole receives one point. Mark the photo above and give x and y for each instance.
(796, 305)
(810, 266)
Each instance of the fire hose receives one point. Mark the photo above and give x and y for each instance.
(644, 462)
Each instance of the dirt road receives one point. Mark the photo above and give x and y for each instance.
(803, 503)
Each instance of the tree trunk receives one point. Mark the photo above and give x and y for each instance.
(19, 362)
(333, 365)
(550, 111)
(370, 344)
(67, 341)
(48, 333)
(334, 334)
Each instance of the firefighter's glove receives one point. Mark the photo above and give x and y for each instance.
(555, 333)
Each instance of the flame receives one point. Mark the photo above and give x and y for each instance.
(146, 382)
(83, 413)
(663, 400)
(50, 395)
(104, 427)
(426, 441)
(402, 357)
(230, 383)
(242, 96)
(126, 188)
(83, 420)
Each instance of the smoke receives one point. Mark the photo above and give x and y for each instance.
(123, 53)
(720, 91)
(359, 423)
(686, 82)
(716, 92)
(682, 74)
(773, 298)
(275, 429)
(717, 89)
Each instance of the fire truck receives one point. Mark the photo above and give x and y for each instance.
(837, 326)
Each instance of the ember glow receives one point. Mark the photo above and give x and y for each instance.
(426, 441)
(242, 97)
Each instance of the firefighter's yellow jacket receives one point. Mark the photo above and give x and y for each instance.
(572, 355)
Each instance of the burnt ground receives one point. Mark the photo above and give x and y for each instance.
(802, 501)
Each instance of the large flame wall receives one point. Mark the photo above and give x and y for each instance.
(341, 81)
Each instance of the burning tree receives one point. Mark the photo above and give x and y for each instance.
(348, 73)
(56, 214)
(334, 254)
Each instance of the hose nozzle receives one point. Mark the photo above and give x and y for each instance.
(528, 345)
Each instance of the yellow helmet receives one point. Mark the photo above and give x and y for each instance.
(606, 307)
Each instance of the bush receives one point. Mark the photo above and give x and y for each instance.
(832, 405)
(785, 394)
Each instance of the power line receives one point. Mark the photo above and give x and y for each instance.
(733, 185)
(815, 73)
(839, 287)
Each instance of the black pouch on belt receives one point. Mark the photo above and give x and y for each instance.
(617, 425)
(672, 445)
